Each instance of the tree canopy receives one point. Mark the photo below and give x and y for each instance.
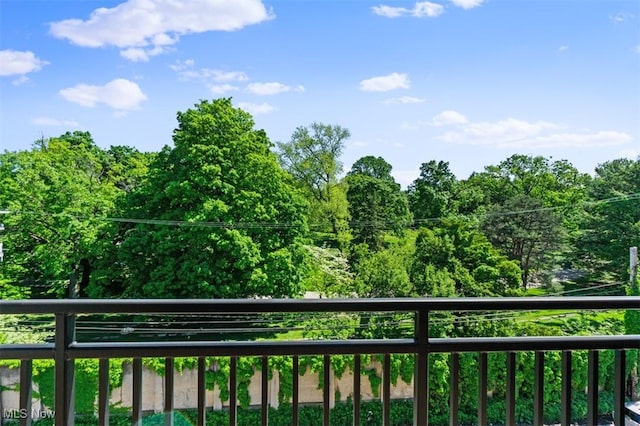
(222, 176)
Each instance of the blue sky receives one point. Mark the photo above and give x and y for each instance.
(470, 82)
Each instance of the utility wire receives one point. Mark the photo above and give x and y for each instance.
(287, 225)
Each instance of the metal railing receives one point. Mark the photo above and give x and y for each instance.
(65, 350)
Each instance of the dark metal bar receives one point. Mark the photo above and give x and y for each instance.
(386, 390)
(566, 393)
(620, 387)
(233, 391)
(28, 351)
(169, 369)
(482, 389)
(592, 389)
(436, 345)
(454, 389)
(510, 415)
(26, 380)
(326, 389)
(202, 391)
(356, 389)
(103, 392)
(137, 391)
(421, 369)
(167, 306)
(538, 389)
(64, 369)
(296, 390)
(265, 391)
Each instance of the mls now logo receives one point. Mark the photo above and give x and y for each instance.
(23, 413)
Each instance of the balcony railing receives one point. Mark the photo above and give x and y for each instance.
(65, 350)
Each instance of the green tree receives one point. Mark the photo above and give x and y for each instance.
(455, 259)
(376, 202)
(612, 221)
(431, 195)
(58, 194)
(239, 220)
(526, 232)
(312, 156)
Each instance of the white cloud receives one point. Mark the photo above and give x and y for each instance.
(48, 121)
(404, 100)
(20, 80)
(448, 118)
(467, 4)
(563, 48)
(621, 17)
(385, 83)
(390, 11)
(256, 109)
(13, 62)
(221, 89)
(270, 88)
(208, 74)
(182, 65)
(515, 133)
(144, 28)
(428, 9)
(420, 9)
(120, 94)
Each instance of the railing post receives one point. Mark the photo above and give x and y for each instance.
(386, 390)
(356, 389)
(538, 389)
(136, 410)
(64, 369)
(421, 369)
(482, 389)
(26, 387)
(454, 389)
(565, 415)
(511, 390)
(592, 389)
(619, 390)
(103, 392)
(169, 368)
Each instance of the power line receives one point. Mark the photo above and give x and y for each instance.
(289, 225)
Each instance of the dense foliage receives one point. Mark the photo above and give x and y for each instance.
(226, 213)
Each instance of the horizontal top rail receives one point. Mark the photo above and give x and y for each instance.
(199, 306)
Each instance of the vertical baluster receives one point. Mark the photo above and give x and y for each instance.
(137, 391)
(326, 391)
(482, 389)
(421, 369)
(265, 390)
(26, 375)
(233, 391)
(454, 389)
(356, 389)
(592, 389)
(620, 387)
(296, 390)
(538, 389)
(202, 391)
(386, 389)
(169, 368)
(565, 415)
(511, 390)
(103, 392)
